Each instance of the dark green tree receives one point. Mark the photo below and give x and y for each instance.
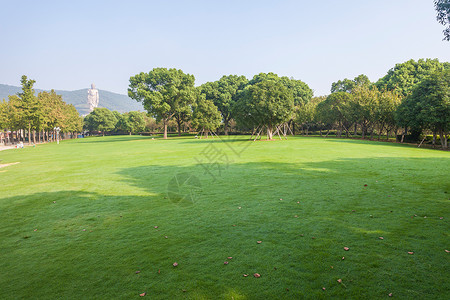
(206, 117)
(348, 85)
(164, 93)
(403, 77)
(132, 122)
(100, 119)
(224, 94)
(428, 106)
(29, 106)
(266, 103)
(443, 16)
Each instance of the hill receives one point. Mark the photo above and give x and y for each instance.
(78, 98)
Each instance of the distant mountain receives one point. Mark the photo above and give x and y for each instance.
(78, 98)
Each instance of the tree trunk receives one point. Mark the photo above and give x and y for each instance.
(130, 133)
(29, 134)
(434, 139)
(443, 139)
(179, 125)
(225, 126)
(165, 129)
(269, 132)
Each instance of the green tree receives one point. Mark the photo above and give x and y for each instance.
(385, 111)
(403, 77)
(428, 106)
(363, 107)
(132, 122)
(206, 117)
(28, 106)
(337, 110)
(443, 16)
(224, 94)
(348, 85)
(100, 119)
(266, 103)
(305, 114)
(164, 92)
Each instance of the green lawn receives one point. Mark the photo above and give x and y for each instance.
(78, 219)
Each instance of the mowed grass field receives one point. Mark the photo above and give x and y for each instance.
(107, 217)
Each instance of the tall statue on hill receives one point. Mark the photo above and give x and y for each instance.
(92, 97)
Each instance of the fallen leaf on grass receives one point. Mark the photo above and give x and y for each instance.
(229, 257)
(441, 218)
(143, 294)
(137, 272)
(323, 288)
(35, 229)
(346, 248)
(313, 238)
(390, 295)
(447, 251)
(281, 199)
(411, 253)
(381, 238)
(256, 275)
(343, 257)
(225, 263)
(295, 216)
(166, 237)
(175, 264)
(258, 242)
(245, 275)
(365, 185)
(339, 280)
(156, 227)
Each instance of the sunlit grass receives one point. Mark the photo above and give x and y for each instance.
(77, 220)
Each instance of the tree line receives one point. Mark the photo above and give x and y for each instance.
(36, 118)
(411, 99)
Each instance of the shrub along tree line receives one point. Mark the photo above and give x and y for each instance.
(413, 98)
(34, 118)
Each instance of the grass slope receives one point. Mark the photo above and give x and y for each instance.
(77, 220)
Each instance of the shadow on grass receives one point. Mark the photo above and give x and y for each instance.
(98, 241)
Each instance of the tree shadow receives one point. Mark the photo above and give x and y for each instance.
(303, 212)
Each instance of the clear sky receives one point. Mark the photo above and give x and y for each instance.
(70, 44)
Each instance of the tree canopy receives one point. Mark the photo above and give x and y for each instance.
(224, 94)
(266, 103)
(443, 16)
(347, 85)
(428, 106)
(404, 76)
(164, 92)
(100, 119)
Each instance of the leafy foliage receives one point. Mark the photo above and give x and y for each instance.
(348, 85)
(403, 77)
(267, 103)
(443, 16)
(164, 92)
(224, 94)
(206, 116)
(100, 119)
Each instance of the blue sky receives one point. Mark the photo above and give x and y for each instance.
(70, 44)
